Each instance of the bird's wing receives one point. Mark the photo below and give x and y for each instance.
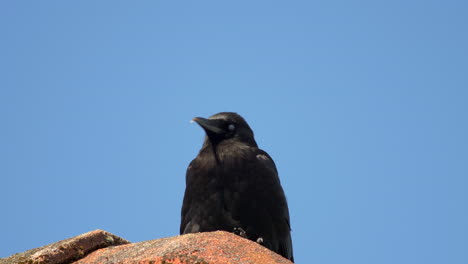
(186, 224)
(202, 203)
(283, 226)
(266, 161)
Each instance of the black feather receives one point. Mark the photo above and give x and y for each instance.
(232, 185)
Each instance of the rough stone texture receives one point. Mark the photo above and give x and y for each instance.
(202, 248)
(104, 248)
(68, 250)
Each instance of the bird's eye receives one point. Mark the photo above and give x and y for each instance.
(231, 127)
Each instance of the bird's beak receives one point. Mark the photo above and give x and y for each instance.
(209, 125)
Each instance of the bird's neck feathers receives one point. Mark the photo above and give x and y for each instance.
(232, 149)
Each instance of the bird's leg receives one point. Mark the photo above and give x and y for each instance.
(240, 232)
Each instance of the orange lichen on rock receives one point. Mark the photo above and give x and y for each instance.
(68, 250)
(201, 248)
(100, 247)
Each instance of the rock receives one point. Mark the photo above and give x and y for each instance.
(68, 250)
(201, 248)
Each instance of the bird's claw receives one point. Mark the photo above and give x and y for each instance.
(240, 232)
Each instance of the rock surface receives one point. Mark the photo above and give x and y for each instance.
(68, 250)
(202, 248)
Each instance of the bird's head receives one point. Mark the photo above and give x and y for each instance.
(226, 126)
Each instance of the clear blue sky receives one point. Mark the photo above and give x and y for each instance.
(362, 104)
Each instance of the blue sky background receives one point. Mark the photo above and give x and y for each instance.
(362, 104)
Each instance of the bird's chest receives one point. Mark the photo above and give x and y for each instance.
(228, 174)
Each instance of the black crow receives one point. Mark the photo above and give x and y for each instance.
(233, 185)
